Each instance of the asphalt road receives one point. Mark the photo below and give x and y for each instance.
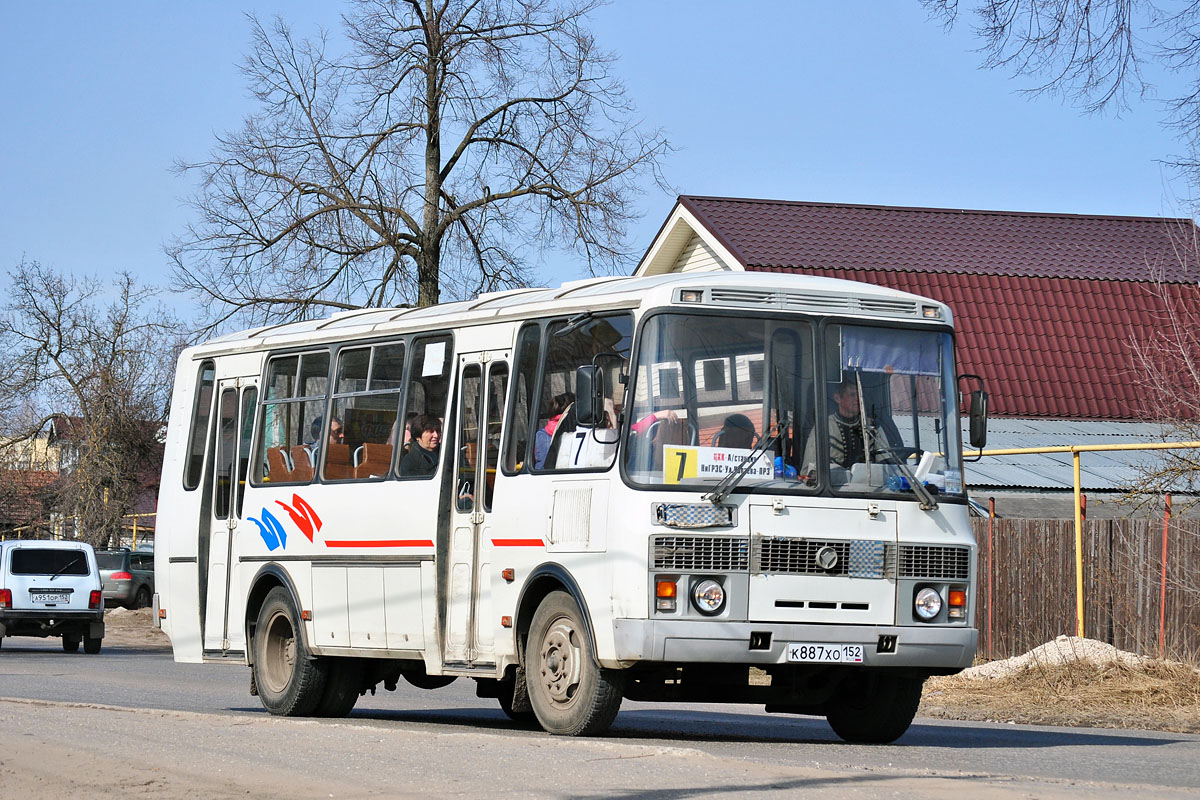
(738, 747)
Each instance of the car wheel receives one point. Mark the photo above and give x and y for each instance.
(570, 694)
(91, 646)
(291, 683)
(142, 600)
(70, 644)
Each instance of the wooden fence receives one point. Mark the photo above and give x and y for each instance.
(1027, 585)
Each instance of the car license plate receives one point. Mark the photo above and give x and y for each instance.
(49, 597)
(825, 653)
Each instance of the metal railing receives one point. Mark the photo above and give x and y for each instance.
(1075, 451)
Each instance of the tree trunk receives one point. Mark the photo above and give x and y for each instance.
(429, 261)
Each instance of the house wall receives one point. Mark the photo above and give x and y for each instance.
(697, 257)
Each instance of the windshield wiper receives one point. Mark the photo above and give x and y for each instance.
(65, 567)
(731, 481)
(928, 502)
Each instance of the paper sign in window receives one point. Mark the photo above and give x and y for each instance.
(435, 359)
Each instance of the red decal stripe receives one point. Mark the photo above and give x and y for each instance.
(379, 543)
(517, 543)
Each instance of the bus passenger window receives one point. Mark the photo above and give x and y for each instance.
(425, 404)
(517, 440)
(293, 418)
(201, 409)
(571, 434)
(366, 405)
(226, 450)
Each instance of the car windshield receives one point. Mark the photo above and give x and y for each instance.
(37, 561)
(778, 404)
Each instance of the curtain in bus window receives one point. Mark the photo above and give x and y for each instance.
(894, 351)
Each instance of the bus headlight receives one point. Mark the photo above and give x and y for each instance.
(708, 596)
(928, 604)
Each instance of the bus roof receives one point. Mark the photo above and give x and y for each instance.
(736, 290)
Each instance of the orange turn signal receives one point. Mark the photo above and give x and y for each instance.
(958, 597)
(665, 589)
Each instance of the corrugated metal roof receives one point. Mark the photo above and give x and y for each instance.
(1046, 305)
(1098, 471)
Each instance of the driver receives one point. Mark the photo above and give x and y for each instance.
(847, 445)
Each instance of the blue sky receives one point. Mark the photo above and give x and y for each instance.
(865, 102)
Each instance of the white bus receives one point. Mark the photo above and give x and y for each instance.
(739, 488)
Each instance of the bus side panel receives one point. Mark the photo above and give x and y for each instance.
(405, 623)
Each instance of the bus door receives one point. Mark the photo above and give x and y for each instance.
(469, 639)
(236, 398)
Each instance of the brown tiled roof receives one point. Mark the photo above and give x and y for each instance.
(1046, 305)
(772, 233)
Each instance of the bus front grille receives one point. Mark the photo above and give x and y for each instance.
(701, 553)
(856, 558)
(931, 561)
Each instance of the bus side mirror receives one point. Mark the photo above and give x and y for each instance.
(589, 394)
(978, 418)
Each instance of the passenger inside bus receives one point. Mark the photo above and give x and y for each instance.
(335, 436)
(545, 434)
(849, 444)
(737, 432)
(421, 458)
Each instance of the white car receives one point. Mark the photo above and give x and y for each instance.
(50, 588)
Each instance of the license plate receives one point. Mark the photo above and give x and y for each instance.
(49, 597)
(825, 653)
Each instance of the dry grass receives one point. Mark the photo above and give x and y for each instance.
(1151, 695)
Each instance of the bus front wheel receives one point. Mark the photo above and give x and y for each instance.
(570, 693)
(875, 708)
(290, 681)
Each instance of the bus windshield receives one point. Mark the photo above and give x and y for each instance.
(785, 405)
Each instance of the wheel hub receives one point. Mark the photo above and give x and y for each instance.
(560, 659)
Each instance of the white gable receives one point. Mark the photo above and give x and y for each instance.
(684, 245)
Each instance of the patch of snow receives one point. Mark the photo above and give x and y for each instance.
(1063, 650)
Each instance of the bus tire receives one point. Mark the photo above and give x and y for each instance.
(291, 683)
(876, 709)
(570, 693)
(343, 680)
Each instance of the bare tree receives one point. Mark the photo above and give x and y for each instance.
(1094, 52)
(456, 139)
(99, 364)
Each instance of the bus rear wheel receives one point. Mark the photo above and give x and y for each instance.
(570, 693)
(290, 682)
(875, 708)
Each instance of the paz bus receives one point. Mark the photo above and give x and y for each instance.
(741, 488)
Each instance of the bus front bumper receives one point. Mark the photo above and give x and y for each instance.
(940, 648)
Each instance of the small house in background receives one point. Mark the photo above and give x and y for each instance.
(1046, 308)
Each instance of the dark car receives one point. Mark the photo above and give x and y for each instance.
(127, 577)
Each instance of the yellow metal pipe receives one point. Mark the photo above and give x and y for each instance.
(1090, 448)
(1075, 450)
(1078, 552)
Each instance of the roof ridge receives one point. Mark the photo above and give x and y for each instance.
(929, 209)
